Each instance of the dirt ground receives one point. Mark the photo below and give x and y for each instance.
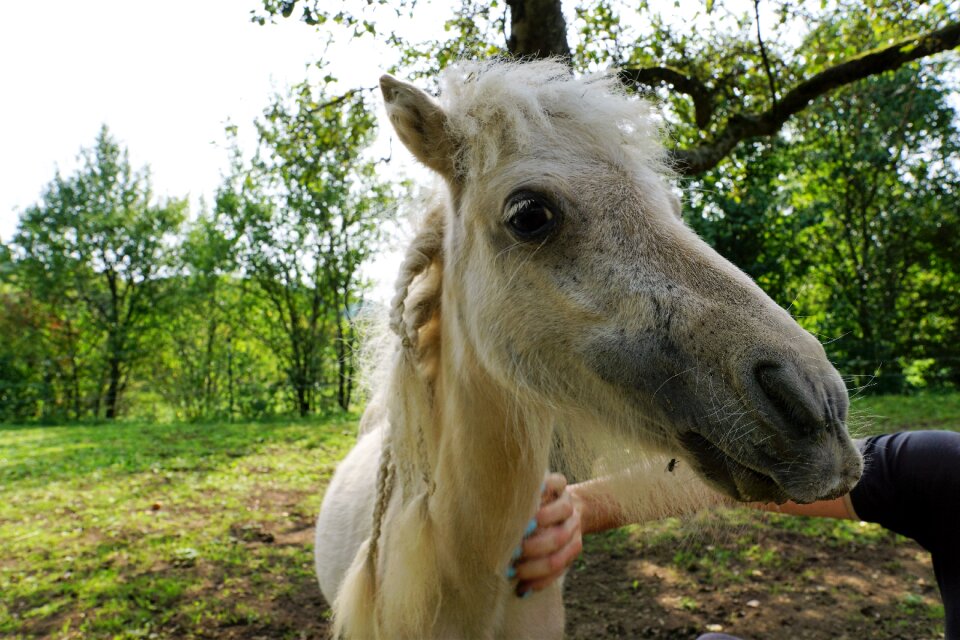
(755, 581)
(773, 583)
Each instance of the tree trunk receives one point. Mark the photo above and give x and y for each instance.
(537, 29)
(230, 378)
(345, 374)
(303, 399)
(113, 389)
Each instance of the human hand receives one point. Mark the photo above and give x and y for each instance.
(555, 543)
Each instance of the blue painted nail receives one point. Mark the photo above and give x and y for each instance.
(511, 572)
(526, 594)
(543, 487)
(531, 527)
(517, 553)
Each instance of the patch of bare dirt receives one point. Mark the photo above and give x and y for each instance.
(802, 589)
(883, 591)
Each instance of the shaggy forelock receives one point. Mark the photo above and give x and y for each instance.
(497, 108)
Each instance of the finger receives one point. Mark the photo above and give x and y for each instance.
(544, 555)
(554, 566)
(545, 542)
(555, 512)
(553, 485)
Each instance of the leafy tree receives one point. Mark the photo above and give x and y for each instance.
(94, 251)
(304, 213)
(193, 371)
(881, 170)
(739, 75)
(851, 222)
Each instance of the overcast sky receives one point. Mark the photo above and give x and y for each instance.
(165, 77)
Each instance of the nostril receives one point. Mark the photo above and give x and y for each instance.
(788, 396)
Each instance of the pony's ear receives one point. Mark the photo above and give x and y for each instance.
(420, 124)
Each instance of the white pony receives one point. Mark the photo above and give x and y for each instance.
(553, 299)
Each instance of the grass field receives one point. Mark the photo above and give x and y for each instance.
(134, 530)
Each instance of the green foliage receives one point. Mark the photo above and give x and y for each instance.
(114, 305)
(304, 214)
(89, 262)
(849, 219)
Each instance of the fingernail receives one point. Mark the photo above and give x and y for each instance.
(543, 487)
(531, 527)
(524, 594)
(517, 553)
(511, 572)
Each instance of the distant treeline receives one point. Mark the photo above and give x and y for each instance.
(112, 303)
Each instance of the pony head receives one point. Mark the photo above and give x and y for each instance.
(570, 275)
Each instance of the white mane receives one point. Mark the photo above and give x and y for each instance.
(496, 107)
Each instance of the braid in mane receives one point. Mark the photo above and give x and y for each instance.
(404, 453)
(412, 307)
(425, 248)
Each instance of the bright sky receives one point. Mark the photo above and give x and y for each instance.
(164, 76)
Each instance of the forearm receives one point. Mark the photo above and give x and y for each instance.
(839, 508)
(599, 511)
(605, 504)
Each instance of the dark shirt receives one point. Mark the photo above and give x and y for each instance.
(911, 485)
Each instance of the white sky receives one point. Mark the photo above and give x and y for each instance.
(164, 76)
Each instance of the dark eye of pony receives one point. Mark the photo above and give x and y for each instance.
(530, 216)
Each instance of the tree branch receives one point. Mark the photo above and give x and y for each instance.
(653, 76)
(763, 55)
(340, 99)
(743, 127)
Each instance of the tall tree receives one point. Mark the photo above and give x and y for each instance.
(305, 213)
(880, 168)
(98, 244)
(194, 371)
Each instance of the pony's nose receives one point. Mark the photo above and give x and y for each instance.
(789, 398)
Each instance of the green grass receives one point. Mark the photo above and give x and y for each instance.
(882, 414)
(187, 530)
(117, 530)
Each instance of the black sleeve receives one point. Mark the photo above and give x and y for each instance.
(911, 485)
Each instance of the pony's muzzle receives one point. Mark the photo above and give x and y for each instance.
(804, 410)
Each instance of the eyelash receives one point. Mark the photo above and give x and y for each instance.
(530, 216)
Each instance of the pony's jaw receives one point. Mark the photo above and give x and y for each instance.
(745, 395)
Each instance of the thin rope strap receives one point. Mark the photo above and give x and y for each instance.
(385, 478)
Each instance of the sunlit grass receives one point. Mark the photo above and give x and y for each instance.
(116, 530)
(180, 530)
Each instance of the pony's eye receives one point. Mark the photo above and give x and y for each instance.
(529, 216)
